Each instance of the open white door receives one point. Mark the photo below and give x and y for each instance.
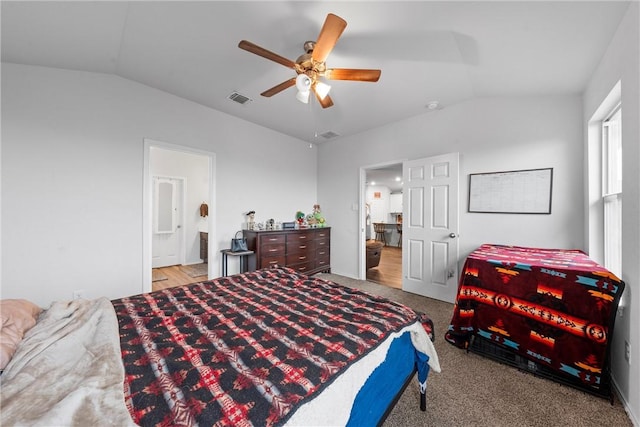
(430, 227)
(167, 222)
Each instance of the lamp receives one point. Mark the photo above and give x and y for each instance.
(303, 84)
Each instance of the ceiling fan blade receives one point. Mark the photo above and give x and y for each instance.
(329, 34)
(279, 88)
(352, 74)
(326, 102)
(260, 51)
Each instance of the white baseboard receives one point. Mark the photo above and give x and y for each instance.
(634, 419)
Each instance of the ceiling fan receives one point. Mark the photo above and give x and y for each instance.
(311, 65)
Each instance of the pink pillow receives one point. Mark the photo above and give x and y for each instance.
(18, 316)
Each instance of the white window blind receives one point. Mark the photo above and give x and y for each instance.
(612, 190)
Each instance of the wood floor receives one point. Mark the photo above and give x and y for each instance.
(175, 277)
(389, 271)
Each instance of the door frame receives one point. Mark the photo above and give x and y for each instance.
(147, 206)
(362, 215)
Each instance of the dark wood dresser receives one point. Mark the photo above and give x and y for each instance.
(204, 246)
(305, 250)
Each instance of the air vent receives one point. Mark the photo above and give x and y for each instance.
(329, 134)
(240, 99)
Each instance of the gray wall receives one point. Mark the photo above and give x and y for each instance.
(621, 63)
(497, 134)
(72, 178)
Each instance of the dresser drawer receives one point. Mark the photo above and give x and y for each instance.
(302, 267)
(299, 257)
(301, 247)
(323, 252)
(270, 239)
(300, 237)
(322, 261)
(267, 262)
(272, 249)
(322, 243)
(322, 234)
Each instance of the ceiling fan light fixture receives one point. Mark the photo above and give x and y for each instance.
(303, 96)
(322, 89)
(303, 83)
(311, 65)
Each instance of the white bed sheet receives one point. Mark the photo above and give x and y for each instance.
(67, 371)
(333, 406)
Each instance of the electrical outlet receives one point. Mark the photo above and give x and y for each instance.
(627, 351)
(78, 294)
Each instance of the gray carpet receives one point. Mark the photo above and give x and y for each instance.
(474, 391)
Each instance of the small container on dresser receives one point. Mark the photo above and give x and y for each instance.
(304, 250)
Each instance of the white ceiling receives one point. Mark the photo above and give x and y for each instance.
(386, 176)
(445, 51)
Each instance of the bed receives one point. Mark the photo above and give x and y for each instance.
(269, 347)
(547, 311)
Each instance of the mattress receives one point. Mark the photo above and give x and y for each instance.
(255, 348)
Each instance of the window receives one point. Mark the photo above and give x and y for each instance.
(612, 190)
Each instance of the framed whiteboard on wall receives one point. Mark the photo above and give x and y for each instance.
(521, 192)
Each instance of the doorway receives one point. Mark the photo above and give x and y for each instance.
(177, 182)
(383, 224)
(429, 224)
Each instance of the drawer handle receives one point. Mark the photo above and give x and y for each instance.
(273, 262)
(302, 257)
(273, 239)
(273, 250)
(303, 237)
(303, 246)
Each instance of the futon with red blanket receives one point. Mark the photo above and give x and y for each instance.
(555, 308)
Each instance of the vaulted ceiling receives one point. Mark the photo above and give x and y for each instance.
(448, 51)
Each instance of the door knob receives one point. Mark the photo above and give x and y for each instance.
(453, 235)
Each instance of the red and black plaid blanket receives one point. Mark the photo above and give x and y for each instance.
(246, 349)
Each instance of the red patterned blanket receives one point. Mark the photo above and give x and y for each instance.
(245, 349)
(554, 307)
